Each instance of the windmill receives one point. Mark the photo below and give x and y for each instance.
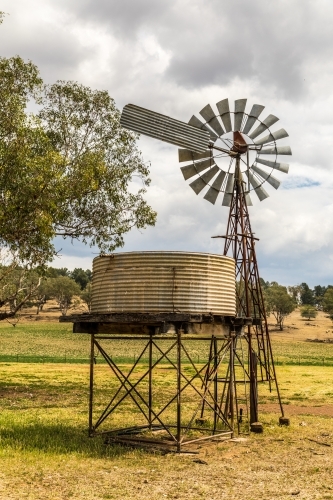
(230, 155)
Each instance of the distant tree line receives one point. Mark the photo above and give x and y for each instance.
(281, 301)
(69, 288)
(65, 287)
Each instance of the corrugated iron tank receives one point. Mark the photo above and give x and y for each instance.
(151, 282)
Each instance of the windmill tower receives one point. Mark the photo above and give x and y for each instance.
(226, 159)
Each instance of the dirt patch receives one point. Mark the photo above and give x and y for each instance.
(289, 410)
(300, 329)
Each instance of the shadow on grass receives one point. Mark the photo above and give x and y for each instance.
(57, 439)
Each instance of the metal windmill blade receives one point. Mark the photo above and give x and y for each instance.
(235, 134)
(163, 127)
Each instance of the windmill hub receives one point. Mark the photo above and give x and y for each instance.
(240, 145)
(241, 141)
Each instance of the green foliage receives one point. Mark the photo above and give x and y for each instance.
(319, 292)
(28, 166)
(62, 289)
(54, 272)
(81, 277)
(70, 170)
(308, 311)
(100, 161)
(306, 294)
(295, 292)
(264, 284)
(328, 302)
(278, 302)
(18, 284)
(67, 172)
(86, 296)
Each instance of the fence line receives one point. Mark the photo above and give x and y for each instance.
(278, 360)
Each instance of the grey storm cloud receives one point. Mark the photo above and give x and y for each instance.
(50, 46)
(214, 42)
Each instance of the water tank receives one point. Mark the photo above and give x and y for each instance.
(153, 282)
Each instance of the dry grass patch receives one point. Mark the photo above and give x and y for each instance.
(45, 452)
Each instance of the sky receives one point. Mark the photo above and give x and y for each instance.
(176, 56)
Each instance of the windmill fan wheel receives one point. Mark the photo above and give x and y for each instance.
(235, 134)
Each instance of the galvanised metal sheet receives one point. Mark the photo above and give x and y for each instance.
(256, 110)
(283, 167)
(258, 189)
(240, 105)
(163, 127)
(208, 114)
(273, 136)
(276, 150)
(164, 282)
(224, 110)
(268, 122)
(267, 177)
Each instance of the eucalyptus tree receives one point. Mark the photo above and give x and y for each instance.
(98, 198)
(68, 170)
(278, 302)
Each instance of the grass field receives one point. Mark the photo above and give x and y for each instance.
(51, 341)
(45, 452)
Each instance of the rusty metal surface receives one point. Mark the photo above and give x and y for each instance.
(163, 127)
(162, 282)
(240, 145)
(200, 391)
(240, 241)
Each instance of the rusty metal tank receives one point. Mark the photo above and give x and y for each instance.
(156, 282)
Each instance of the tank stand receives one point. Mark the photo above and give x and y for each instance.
(170, 390)
(167, 385)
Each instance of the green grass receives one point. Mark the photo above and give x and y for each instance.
(302, 353)
(45, 451)
(52, 342)
(35, 342)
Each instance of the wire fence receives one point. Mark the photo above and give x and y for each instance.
(65, 358)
